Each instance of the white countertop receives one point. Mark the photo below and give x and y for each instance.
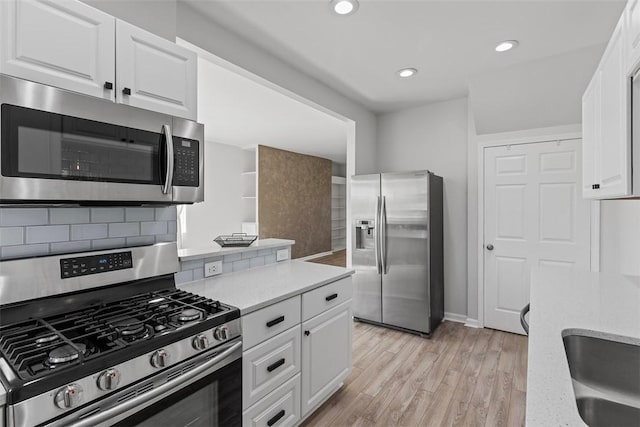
(188, 254)
(3, 396)
(561, 299)
(253, 289)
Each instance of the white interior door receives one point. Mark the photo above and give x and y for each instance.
(534, 215)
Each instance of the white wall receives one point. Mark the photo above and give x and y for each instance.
(206, 34)
(156, 16)
(221, 211)
(537, 94)
(620, 237)
(434, 137)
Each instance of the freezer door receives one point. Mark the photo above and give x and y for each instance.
(405, 250)
(365, 199)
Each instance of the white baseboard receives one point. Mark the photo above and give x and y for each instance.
(314, 256)
(472, 323)
(455, 317)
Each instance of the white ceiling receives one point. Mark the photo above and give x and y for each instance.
(239, 111)
(448, 41)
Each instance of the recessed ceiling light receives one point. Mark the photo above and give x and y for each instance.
(344, 7)
(407, 72)
(506, 45)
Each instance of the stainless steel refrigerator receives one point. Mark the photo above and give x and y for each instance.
(397, 250)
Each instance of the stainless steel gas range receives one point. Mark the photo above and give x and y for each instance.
(105, 338)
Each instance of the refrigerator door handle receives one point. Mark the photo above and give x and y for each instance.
(376, 237)
(383, 235)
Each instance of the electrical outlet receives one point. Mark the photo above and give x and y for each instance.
(212, 268)
(282, 254)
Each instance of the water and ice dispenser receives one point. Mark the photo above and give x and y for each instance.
(365, 234)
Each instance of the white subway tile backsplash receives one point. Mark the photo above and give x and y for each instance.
(140, 240)
(11, 236)
(118, 242)
(89, 231)
(107, 214)
(227, 267)
(165, 238)
(232, 257)
(256, 262)
(69, 247)
(184, 276)
(249, 254)
(241, 265)
(139, 214)
(172, 227)
(124, 229)
(270, 259)
(198, 274)
(168, 213)
(263, 252)
(191, 265)
(69, 215)
(24, 251)
(153, 228)
(212, 259)
(47, 234)
(23, 216)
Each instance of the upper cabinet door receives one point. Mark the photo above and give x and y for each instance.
(632, 16)
(591, 137)
(154, 73)
(62, 43)
(615, 151)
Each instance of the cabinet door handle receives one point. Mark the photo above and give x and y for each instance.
(332, 296)
(275, 321)
(108, 85)
(275, 365)
(307, 333)
(276, 418)
(126, 91)
(595, 186)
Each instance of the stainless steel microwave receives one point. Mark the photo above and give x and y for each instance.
(62, 147)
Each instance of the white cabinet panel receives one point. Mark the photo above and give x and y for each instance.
(325, 297)
(154, 73)
(281, 408)
(632, 15)
(326, 354)
(270, 321)
(62, 43)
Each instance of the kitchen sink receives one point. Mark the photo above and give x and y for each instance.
(606, 378)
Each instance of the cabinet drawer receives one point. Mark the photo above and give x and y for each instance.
(279, 409)
(270, 321)
(269, 364)
(326, 297)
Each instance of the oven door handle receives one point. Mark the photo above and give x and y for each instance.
(146, 397)
(168, 138)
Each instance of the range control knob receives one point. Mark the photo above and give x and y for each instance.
(200, 342)
(160, 358)
(221, 333)
(109, 379)
(68, 396)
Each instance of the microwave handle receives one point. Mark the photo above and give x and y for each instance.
(168, 138)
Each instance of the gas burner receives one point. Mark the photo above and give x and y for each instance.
(46, 339)
(131, 329)
(189, 315)
(64, 354)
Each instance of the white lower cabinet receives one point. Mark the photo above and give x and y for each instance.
(326, 354)
(269, 364)
(290, 368)
(279, 409)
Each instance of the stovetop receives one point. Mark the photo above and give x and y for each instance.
(112, 326)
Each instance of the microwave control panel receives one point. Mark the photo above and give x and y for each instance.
(186, 171)
(94, 264)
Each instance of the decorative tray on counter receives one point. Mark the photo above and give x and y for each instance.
(235, 239)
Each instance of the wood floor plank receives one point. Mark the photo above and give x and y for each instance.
(461, 376)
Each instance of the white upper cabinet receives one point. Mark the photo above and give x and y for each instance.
(155, 74)
(632, 18)
(606, 120)
(61, 43)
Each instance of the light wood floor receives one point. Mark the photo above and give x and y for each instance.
(461, 376)
(338, 258)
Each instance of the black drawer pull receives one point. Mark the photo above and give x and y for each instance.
(332, 296)
(126, 91)
(275, 365)
(276, 418)
(595, 186)
(108, 85)
(274, 322)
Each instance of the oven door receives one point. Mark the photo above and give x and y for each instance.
(207, 394)
(58, 146)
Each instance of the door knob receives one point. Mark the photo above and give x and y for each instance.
(489, 247)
